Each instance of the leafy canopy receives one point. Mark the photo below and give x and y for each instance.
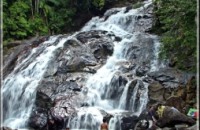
(176, 22)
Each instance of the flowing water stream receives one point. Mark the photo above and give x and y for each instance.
(100, 86)
(103, 94)
(19, 88)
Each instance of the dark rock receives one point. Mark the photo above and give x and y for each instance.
(176, 102)
(129, 122)
(102, 51)
(59, 91)
(47, 87)
(146, 16)
(108, 13)
(106, 115)
(38, 118)
(85, 104)
(172, 62)
(118, 39)
(85, 36)
(170, 77)
(72, 85)
(72, 43)
(77, 64)
(43, 101)
(148, 79)
(142, 70)
(128, 8)
(171, 117)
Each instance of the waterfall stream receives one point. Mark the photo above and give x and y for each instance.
(104, 93)
(100, 87)
(19, 89)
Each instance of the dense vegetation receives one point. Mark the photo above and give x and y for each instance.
(176, 22)
(27, 18)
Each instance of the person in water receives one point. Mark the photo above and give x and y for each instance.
(104, 125)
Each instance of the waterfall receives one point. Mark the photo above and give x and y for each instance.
(122, 101)
(100, 85)
(19, 88)
(109, 90)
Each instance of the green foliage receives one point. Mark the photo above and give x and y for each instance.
(98, 3)
(23, 19)
(137, 5)
(15, 20)
(176, 20)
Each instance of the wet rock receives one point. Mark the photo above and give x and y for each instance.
(51, 69)
(47, 87)
(106, 115)
(43, 101)
(170, 77)
(71, 43)
(67, 73)
(137, 53)
(38, 118)
(108, 13)
(85, 104)
(132, 52)
(128, 8)
(63, 109)
(148, 79)
(102, 50)
(77, 64)
(85, 36)
(118, 39)
(171, 117)
(142, 70)
(129, 121)
(72, 85)
(20, 51)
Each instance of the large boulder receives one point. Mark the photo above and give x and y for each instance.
(170, 77)
(171, 117)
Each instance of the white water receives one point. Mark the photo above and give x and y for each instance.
(99, 85)
(20, 86)
(123, 97)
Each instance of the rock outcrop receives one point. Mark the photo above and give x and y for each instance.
(61, 93)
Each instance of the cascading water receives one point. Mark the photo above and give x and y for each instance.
(102, 93)
(19, 88)
(108, 90)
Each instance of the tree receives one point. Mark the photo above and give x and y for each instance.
(176, 20)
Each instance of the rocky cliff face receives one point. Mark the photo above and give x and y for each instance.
(61, 92)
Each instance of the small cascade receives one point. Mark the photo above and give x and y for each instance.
(86, 119)
(114, 123)
(122, 101)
